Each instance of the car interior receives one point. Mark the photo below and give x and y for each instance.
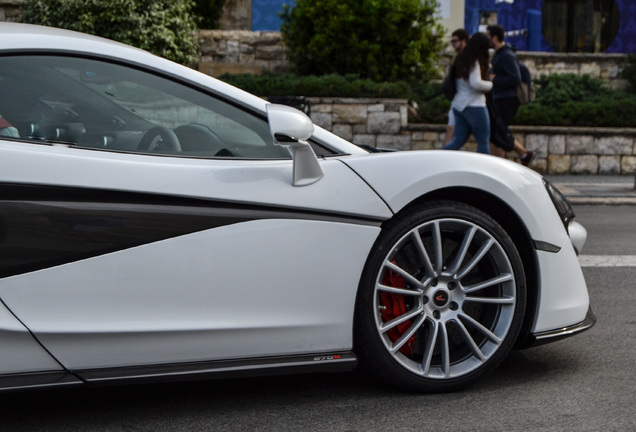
(99, 105)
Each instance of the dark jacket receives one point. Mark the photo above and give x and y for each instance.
(505, 66)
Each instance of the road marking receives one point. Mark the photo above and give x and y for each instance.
(607, 260)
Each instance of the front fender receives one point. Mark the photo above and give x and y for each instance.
(400, 178)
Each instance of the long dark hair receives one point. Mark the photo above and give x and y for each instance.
(475, 50)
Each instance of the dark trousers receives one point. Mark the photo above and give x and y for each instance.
(507, 108)
(500, 118)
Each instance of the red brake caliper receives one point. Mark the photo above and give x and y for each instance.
(394, 307)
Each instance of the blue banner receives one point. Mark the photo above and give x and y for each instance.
(265, 14)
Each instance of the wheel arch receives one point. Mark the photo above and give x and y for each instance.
(512, 223)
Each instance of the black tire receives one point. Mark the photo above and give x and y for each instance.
(441, 300)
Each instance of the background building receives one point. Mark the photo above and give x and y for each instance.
(264, 14)
(585, 26)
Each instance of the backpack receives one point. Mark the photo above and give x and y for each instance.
(525, 93)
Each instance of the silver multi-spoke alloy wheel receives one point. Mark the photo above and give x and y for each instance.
(445, 300)
(447, 296)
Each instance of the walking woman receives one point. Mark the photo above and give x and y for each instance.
(470, 69)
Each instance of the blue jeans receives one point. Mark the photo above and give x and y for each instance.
(475, 120)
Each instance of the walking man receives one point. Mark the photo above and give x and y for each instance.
(459, 39)
(505, 76)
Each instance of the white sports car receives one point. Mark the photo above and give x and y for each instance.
(157, 223)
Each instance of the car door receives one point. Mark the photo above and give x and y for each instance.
(151, 222)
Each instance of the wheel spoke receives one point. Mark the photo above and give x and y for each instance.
(463, 250)
(475, 259)
(402, 291)
(406, 275)
(430, 347)
(445, 348)
(488, 283)
(399, 320)
(423, 254)
(479, 327)
(471, 342)
(398, 344)
(438, 336)
(437, 246)
(492, 300)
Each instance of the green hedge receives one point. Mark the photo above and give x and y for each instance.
(269, 84)
(572, 100)
(561, 100)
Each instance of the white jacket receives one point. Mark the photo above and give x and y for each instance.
(471, 92)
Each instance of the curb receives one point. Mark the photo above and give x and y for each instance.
(601, 200)
(596, 190)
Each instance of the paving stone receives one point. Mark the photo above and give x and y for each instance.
(628, 165)
(322, 119)
(609, 164)
(556, 144)
(343, 131)
(614, 145)
(350, 113)
(384, 123)
(396, 142)
(579, 144)
(538, 143)
(559, 164)
(365, 139)
(584, 164)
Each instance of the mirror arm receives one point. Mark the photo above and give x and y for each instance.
(307, 170)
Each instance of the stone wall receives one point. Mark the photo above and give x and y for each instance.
(383, 123)
(237, 15)
(371, 122)
(560, 150)
(241, 51)
(10, 9)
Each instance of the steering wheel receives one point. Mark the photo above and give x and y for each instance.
(159, 139)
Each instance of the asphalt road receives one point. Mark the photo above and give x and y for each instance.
(585, 383)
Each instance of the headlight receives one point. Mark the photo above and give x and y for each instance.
(561, 203)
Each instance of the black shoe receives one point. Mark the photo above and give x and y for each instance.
(527, 158)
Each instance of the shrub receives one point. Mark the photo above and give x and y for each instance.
(432, 106)
(379, 40)
(350, 85)
(163, 27)
(573, 100)
(629, 72)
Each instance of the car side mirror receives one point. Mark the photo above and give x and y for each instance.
(292, 128)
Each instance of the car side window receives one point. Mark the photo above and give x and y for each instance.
(100, 105)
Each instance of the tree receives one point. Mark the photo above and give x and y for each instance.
(384, 40)
(164, 27)
(208, 12)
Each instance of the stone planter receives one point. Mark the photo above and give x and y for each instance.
(560, 150)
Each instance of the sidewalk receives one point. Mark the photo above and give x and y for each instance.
(596, 189)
